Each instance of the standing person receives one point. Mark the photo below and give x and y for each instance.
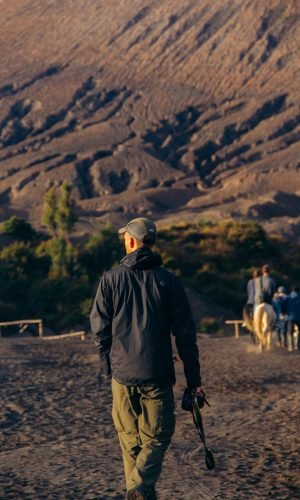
(276, 304)
(251, 292)
(137, 306)
(265, 287)
(293, 318)
(277, 310)
(248, 309)
(282, 302)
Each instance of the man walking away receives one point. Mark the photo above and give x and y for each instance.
(137, 306)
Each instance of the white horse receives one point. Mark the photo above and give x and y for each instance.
(248, 321)
(263, 321)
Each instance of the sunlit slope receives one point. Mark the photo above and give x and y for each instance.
(171, 109)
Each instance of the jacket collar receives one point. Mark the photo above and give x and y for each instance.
(142, 258)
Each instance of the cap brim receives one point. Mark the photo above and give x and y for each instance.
(122, 230)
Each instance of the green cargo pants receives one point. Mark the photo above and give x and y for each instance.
(145, 421)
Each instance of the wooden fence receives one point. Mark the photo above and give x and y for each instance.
(23, 322)
(80, 334)
(236, 323)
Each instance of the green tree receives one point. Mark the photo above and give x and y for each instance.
(59, 218)
(63, 257)
(65, 216)
(49, 211)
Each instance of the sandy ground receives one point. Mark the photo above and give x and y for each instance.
(58, 441)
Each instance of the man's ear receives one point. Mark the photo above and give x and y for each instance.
(131, 242)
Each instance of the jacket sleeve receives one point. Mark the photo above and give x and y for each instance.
(249, 289)
(273, 287)
(101, 322)
(184, 330)
(284, 305)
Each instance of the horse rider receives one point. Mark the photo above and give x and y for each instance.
(265, 287)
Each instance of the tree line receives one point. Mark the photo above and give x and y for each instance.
(45, 274)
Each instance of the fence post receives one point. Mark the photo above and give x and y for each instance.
(40, 328)
(236, 323)
(236, 329)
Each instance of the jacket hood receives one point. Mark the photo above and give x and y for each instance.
(142, 258)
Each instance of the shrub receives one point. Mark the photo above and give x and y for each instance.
(86, 307)
(205, 223)
(18, 260)
(63, 257)
(19, 228)
(7, 312)
(59, 301)
(209, 325)
(100, 253)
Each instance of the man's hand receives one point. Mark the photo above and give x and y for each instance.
(198, 391)
(200, 395)
(189, 395)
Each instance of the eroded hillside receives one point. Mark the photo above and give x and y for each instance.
(166, 109)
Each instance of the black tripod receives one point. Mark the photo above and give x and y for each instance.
(198, 402)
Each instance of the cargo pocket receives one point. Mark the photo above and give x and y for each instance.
(124, 418)
(157, 420)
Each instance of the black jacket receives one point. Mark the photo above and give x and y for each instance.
(137, 305)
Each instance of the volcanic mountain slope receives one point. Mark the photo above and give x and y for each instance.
(173, 110)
